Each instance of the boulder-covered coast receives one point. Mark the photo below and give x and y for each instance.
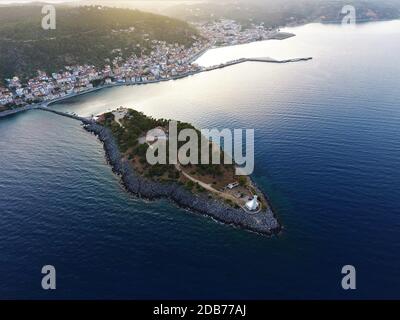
(262, 223)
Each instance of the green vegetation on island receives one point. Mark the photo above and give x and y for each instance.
(131, 135)
(135, 133)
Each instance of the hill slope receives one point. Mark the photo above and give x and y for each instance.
(83, 35)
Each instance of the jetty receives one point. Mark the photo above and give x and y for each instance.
(45, 105)
(243, 60)
(74, 116)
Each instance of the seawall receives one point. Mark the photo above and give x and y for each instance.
(17, 110)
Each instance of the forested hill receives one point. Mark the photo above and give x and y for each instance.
(83, 35)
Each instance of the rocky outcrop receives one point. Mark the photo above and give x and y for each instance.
(263, 223)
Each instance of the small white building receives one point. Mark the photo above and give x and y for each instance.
(253, 204)
(156, 135)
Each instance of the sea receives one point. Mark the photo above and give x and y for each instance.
(327, 153)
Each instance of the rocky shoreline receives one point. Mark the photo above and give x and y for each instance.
(263, 223)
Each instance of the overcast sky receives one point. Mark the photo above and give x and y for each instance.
(154, 2)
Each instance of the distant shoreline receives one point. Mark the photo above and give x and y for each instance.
(130, 83)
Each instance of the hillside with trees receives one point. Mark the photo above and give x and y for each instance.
(83, 35)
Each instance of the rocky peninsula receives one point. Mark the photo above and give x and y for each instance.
(263, 222)
(221, 206)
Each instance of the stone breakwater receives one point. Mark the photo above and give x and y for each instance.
(262, 223)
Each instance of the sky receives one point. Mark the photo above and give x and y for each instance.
(155, 3)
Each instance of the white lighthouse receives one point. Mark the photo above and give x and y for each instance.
(253, 204)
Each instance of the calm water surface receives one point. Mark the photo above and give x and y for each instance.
(327, 153)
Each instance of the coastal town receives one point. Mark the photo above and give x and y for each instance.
(166, 61)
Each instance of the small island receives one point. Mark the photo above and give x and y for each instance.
(209, 189)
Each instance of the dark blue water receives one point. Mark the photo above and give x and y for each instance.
(327, 153)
